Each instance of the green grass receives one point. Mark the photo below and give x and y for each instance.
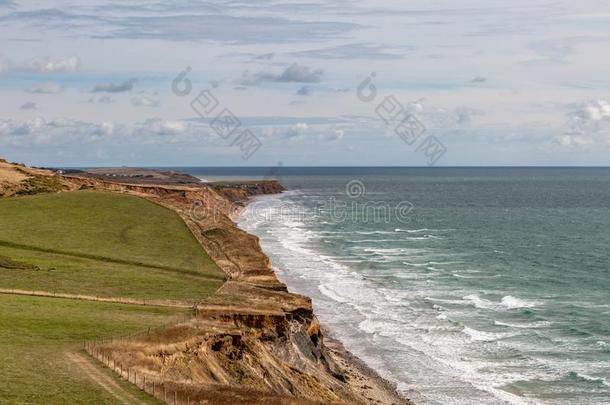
(36, 333)
(111, 225)
(89, 243)
(103, 244)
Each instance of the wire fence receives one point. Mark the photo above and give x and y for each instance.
(117, 300)
(162, 390)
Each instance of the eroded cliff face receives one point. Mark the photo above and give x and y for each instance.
(252, 334)
(252, 341)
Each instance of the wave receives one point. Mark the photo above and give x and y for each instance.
(374, 240)
(444, 301)
(480, 336)
(415, 264)
(411, 230)
(532, 325)
(507, 302)
(331, 294)
(512, 302)
(422, 230)
(385, 251)
(373, 233)
(429, 263)
(421, 333)
(587, 377)
(458, 275)
(425, 237)
(479, 302)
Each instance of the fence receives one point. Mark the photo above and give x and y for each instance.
(116, 300)
(152, 385)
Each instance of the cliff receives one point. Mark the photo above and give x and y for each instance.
(252, 341)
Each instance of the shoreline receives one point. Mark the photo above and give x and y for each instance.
(271, 320)
(252, 341)
(364, 379)
(380, 390)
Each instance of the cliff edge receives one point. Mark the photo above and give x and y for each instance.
(251, 342)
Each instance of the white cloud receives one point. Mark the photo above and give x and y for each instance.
(352, 51)
(53, 65)
(65, 131)
(594, 111)
(107, 127)
(41, 65)
(144, 101)
(297, 130)
(60, 131)
(332, 135)
(441, 118)
(159, 126)
(588, 125)
(46, 88)
(184, 21)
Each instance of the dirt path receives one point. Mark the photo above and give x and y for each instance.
(116, 300)
(106, 382)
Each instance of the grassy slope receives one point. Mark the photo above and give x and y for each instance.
(36, 333)
(103, 224)
(117, 232)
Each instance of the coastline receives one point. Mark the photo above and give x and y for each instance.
(362, 378)
(261, 318)
(252, 341)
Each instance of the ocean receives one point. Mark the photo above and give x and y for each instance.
(460, 285)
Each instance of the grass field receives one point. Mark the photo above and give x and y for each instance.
(102, 244)
(37, 333)
(89, 243)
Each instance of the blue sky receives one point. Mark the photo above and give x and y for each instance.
(493, 82)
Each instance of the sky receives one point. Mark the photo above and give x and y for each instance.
(305, 83)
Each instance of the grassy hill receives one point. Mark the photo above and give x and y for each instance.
(105, 244)
(96, 244)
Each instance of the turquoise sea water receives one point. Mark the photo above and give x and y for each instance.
(460, 285)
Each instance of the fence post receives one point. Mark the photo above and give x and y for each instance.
(164, 392)
(153, 388)
(144, 382)
(175, 397)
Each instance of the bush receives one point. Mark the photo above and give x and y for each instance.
(40, 184)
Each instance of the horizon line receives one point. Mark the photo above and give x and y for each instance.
(339, 167)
